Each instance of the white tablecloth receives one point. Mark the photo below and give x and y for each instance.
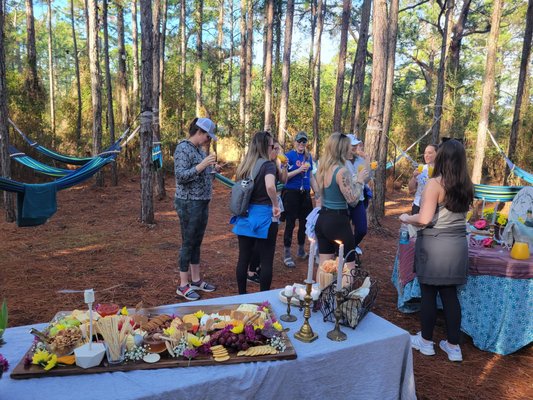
(375, 362)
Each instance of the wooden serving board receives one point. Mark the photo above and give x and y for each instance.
(36, 371)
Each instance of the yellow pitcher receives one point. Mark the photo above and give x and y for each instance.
(520, 251)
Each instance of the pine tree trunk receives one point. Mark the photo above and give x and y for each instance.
(122, 82)
(78, 81)
(278, 15)
(267, 126)
(242, 80)
(230, 69)
(487, 96)
(183, 64)
(312, 43)
(321, 10)
(286, 72)
(162, 44)
(453, 78)
(249, 61)
(96, 84)
(341, 66)
(521, 88)
(381, 172)
(198, 73)
(51, 77)
(441, 77)
(5, 161)
(109, 90)
(374, 129)
(220, 56)
(160, 192)
(135, 49)
(147, 203)
(359, 67)
(34, 103)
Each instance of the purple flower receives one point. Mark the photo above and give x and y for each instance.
(4, 364)
(190, 353)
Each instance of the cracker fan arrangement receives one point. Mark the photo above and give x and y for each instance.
(162, 337)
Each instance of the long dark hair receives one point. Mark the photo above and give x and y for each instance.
(450, 165)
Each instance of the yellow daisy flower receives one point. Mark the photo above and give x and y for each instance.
(277, 326)
(199, 314)
(52, 362)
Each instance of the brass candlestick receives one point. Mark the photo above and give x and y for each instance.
(288, 317)
(306, 334)
(336, 334)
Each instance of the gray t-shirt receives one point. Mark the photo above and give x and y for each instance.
(191, 185)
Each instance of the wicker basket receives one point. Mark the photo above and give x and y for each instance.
(353, 309)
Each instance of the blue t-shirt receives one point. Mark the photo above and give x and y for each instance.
(301, 180)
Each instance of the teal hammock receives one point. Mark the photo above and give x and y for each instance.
(496, 193)
(517, 171)
(37, 202)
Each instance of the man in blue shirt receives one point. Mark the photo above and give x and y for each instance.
(297, 196)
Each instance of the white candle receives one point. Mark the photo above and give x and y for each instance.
(311, 263)
(89, 296)
(289, 290)
(315, 293)
(340, 266)
(301, 293)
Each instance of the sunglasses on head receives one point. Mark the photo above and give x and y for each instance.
(304, 141)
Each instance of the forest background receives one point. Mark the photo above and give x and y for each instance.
(385, 70)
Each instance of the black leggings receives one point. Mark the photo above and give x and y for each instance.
(297, 206)
(451, 308)
(266, 248)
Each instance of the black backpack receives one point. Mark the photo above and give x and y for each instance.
(241, 192)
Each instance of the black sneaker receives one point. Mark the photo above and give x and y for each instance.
(254, 278)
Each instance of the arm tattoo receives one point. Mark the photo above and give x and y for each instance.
(350, 190)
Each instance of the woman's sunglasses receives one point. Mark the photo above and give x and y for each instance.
(304, 141)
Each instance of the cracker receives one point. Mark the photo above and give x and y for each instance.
(222, 359)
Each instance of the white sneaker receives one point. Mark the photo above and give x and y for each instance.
(418, 343)
(454, 353)
(358, 250)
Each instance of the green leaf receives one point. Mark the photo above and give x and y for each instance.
(3, 317)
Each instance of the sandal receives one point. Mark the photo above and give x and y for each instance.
(289, 262)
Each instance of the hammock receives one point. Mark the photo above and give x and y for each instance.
(42, 168)
(522, 174)
(496, 193)
(38, 166)
(37, 202)
(403, 153)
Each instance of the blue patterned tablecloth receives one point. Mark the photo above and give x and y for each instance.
(497, 312)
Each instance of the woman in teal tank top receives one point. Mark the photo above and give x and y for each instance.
(339, 190)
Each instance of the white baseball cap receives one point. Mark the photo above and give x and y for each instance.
(208, 126)
(353, 140)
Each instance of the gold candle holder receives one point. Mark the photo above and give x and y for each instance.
(336, 334)
(306, 334)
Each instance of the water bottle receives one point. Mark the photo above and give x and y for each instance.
(404, 234)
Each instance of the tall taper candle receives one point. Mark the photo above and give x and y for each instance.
(311, 263)
(340, 266)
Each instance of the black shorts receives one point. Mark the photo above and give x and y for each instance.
(334, 225)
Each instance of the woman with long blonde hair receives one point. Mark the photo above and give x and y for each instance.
(339, 190)
(260, 226)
